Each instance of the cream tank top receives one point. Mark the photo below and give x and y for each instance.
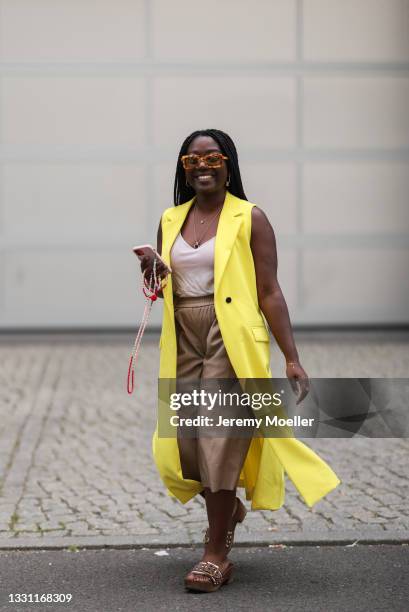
(192, 269)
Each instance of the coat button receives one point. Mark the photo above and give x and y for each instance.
(228, 300)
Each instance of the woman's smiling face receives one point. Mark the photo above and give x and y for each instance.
(204, 179)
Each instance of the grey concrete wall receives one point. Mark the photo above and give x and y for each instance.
(96, 98)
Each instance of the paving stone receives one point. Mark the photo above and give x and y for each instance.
(82, 464)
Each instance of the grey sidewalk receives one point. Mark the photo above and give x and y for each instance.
(75, 450)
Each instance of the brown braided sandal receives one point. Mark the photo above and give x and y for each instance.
(238, 517)
(216, 578)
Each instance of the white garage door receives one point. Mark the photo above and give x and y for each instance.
(96, 98)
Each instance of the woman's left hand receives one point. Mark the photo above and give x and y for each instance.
(298, 380)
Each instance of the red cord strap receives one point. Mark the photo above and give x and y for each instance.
(150, 290)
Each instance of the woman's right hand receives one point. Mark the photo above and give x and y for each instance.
(146, 264)
(147, 267)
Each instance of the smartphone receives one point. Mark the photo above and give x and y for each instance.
(147, 250)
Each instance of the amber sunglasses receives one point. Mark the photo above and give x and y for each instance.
(212, 160)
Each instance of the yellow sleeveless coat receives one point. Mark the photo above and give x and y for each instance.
(246, 339)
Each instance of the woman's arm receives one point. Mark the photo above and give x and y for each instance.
(271, 299)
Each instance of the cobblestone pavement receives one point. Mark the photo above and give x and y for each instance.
(75, 448)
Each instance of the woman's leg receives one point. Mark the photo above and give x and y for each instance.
(221, 504)
(227, 454)
(220, 508)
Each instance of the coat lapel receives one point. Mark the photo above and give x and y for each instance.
(172, 223)
(229, 223)
(171, 226)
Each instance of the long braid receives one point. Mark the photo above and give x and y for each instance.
(182, 192)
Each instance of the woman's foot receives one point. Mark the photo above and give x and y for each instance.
(210, 573)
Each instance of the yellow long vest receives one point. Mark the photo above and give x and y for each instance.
(246, 339)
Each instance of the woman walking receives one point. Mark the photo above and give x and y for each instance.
(219, 301)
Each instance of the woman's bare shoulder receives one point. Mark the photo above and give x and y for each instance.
(259, 220)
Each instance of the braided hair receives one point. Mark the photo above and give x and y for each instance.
(182, 192)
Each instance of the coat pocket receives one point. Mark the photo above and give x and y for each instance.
(260, 333)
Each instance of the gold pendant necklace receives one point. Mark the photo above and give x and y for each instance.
(197, 242)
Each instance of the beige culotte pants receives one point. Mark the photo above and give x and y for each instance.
(214, 461)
